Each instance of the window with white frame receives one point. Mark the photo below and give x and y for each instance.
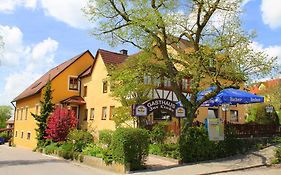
(73, 83)
(92, 114)
(147, 79)
(104, 113)
(234, 116)
(185, 84)
(167, 82)
(111, 112)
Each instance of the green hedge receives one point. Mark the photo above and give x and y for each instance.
(79, 139)
(194, 145)
(159, 133)
(105, 136)
(93, 150)
(166, 150)
(130, 146)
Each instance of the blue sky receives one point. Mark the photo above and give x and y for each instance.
(40, 34)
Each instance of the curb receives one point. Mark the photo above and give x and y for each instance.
(236, 169)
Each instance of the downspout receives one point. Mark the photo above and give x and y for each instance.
(78, 115)
(15, 108)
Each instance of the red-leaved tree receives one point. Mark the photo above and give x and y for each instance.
(60, 123)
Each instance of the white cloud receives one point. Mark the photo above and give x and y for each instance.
(22, 64)
(13, 47)
(271, 13)
(8, 6)
(271, 51)
(67, 11)
(42, 55)
(15, 83)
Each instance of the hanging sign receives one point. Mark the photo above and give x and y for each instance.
(158, 104)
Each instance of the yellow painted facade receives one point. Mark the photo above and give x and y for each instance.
(96, 99)
(25, 124)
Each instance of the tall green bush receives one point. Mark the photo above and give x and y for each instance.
(105, 136)
(195, 145)
(259, 115)
(47, 108)
(79, 139)
(159, 133)
(130, 146)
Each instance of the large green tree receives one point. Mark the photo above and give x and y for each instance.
(5, 114)
(218, 48)
(47, 108)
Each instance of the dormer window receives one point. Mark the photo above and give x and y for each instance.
(73, 83)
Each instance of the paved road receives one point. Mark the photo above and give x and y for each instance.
(16, 161)
(256, 171)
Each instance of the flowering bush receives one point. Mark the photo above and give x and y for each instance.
(60, 123)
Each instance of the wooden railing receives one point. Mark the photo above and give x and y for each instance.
(256, 130)
(242, 130)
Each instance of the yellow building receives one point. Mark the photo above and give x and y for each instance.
(96, 114)
(65, 85)
(81, 84)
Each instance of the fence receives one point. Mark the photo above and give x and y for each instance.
(256, 130)
(242, 130)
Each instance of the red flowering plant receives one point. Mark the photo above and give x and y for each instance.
(60, 123)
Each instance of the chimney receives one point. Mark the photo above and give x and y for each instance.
(124, 52)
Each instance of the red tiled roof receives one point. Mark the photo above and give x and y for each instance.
(268, 84)
(112, 58)
(87, 72)
(74, 100)
(51, 74)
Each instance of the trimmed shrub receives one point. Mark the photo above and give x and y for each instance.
(93, 150)
(262, 117)
(50, 149)
(130, 146)
(66, 151)
(107, 156)
(105, 136)
(195, 145)
(166, 150)
(158, 133)
(79, 139)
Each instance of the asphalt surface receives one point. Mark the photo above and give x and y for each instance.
(17, 161)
